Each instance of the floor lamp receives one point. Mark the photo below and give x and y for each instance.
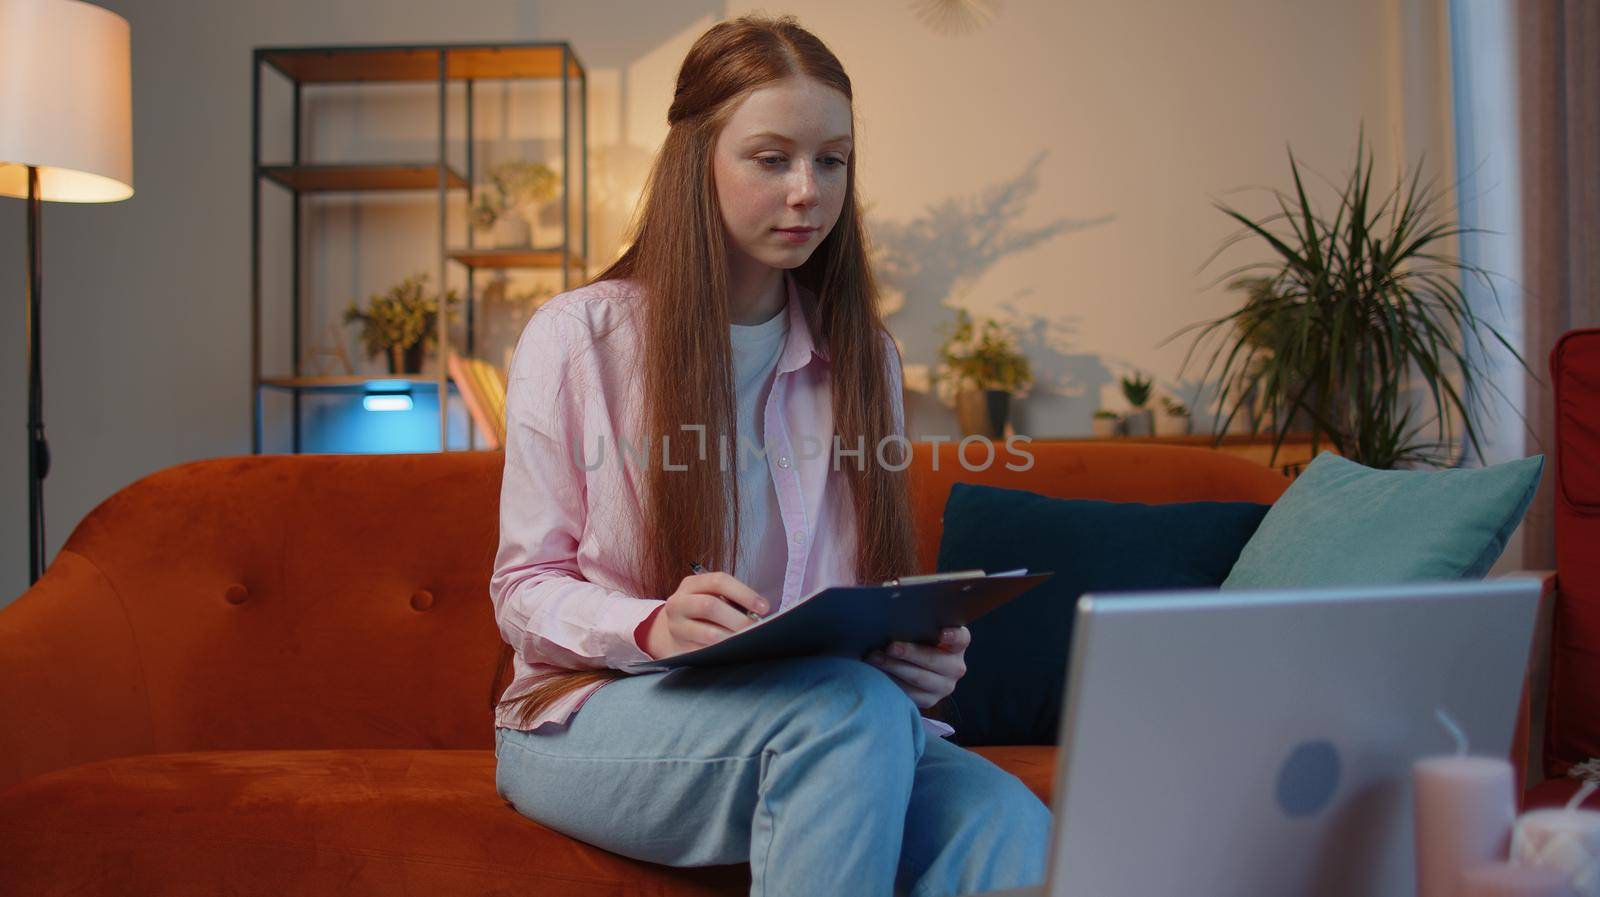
(66, 135)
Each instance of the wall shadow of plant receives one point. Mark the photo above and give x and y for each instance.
(926, 265)
(1067, 390)
(1206, 414)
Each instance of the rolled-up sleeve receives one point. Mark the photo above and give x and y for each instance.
(544, 607)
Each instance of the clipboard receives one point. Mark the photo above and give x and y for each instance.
(849, 621)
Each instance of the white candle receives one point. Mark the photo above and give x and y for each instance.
(1568, 840)
(1464, 810)
(1507, 880)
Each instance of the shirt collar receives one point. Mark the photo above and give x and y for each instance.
(802, 342)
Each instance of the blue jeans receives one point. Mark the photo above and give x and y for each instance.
(815, 770)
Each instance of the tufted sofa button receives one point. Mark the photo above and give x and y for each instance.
(421, 600)
(236, 594)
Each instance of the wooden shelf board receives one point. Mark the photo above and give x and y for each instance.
(345, 383)
(347, 64)
(383, 176)
(513, 258)
(1205, 439)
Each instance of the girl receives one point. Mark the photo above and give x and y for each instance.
(738, 337)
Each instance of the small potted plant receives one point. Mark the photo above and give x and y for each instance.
(511, 209)
(489, 218)
(984, 368)
(1105, 424)
(1173, 419)
(1140, 421)
(400, 323)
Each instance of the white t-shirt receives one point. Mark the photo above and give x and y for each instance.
(763, 552)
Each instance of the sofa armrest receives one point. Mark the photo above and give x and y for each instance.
(1527, 745)
(71, 685)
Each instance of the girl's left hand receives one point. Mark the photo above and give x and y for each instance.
(928, 673)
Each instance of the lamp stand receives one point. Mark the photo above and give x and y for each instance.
(38, 448)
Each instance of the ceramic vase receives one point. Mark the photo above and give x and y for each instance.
(983, 412)
(1139, 422)
(1172, 424)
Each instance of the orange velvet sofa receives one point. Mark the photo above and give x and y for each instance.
(273, 675)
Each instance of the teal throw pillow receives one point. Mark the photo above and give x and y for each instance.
(1342, 523)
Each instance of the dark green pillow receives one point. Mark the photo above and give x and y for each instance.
(1017, 663)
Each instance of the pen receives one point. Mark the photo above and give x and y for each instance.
(694, 567)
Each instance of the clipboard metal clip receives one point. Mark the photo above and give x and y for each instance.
(936, 577)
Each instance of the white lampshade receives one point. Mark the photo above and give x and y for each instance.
(66, 101)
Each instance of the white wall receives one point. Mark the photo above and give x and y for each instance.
(1138, 113)
(1056, 168)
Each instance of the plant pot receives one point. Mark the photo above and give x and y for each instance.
(1242, 423)
(1172, 424)
(983, 412)
(511, 232)
(1302, 421)
(1139, 422)
(538, 234)
(406, 361)
(1104, 427)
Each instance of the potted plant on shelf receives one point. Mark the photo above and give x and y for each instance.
(510, 210)
(1343, 314)
(1140, 421)
(496, 227)
(401, 323)
(1173, 419)
(984, 367)
(1104, 425)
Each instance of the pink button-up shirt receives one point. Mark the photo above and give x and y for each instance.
(564, 583)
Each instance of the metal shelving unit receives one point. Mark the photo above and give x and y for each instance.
(442, 64)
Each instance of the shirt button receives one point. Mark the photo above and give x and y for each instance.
(799, 536)
(783, 461)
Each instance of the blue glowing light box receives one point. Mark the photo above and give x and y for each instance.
(383, 420)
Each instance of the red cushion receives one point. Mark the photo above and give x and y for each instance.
(1574, 710)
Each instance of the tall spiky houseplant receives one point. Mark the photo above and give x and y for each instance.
(1349, 317)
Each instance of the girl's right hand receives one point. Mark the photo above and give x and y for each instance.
(699, 613)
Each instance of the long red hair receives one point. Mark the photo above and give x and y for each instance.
(677, 258)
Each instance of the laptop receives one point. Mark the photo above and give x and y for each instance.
(1217, 744)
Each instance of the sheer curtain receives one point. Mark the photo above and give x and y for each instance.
(1483, 80)
(1558, 50)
